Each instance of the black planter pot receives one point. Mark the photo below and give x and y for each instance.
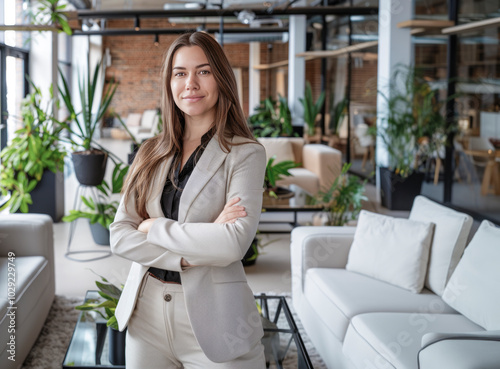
(398, 193)
(48, 196)
(116, 346)
(99, 234)
(90, 167)
(251, 255)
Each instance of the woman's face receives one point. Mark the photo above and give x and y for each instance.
(193, 85)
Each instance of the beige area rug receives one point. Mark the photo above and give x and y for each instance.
(50, 347)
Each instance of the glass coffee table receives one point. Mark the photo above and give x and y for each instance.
(300, 201)
(281, 339)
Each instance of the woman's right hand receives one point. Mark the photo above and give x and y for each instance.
(231, 212)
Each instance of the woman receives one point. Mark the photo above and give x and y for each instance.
(186, 301)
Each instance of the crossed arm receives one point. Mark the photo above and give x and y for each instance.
(168, 244)
(230, 214)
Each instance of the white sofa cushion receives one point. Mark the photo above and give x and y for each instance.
(337, 295)
(277, 146)
(473, 289)
(391, 250)
(451, 230)
(392, 340)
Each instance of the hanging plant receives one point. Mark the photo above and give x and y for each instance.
(51, 12)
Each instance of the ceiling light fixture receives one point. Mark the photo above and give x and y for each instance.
(137, 25)
(246, 16)
(157, 41)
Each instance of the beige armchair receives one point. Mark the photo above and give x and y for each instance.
(320, 164)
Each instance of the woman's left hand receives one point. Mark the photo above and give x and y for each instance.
(145, 226)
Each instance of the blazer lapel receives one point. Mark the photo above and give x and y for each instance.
(153, 206)
(210, 161)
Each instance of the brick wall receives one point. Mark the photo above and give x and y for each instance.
(136, 66)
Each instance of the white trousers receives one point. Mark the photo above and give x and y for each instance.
(159, 334)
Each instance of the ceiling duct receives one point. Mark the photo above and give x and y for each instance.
(80, 4)
(177, 6)
(237, 38)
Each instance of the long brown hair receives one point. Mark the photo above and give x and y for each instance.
(229, 118)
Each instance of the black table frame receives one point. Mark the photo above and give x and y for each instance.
(304, 361)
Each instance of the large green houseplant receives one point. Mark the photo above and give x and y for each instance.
(90, 161)
(272, 118)
(413, 129)
(33, 162)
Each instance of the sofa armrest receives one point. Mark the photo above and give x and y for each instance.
(27, 235)
(324, 161)
(460, 350)
(317, 247)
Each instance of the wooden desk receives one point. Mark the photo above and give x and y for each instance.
(491, 178)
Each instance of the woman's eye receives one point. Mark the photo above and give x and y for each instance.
(179, 74)
(204, 72)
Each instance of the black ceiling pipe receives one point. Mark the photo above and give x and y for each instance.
(317, 10)
(173, 31)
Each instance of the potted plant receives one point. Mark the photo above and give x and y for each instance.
(272, 118)
(90, 162)
(342, 201)
(413, 129)
(337, 114)
(101, 213)
(32, 164)
(253, 251)
(275, 172)
(311, 111)
(106, 309)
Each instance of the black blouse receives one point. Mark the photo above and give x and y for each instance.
(171, 197)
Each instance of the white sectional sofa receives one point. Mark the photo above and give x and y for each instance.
(30, 241)
(356, 313)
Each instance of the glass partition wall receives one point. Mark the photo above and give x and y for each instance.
(475, 170)
(476, 181)
(352, 78)
(13, 68)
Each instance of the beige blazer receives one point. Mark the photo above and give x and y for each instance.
(219, 302)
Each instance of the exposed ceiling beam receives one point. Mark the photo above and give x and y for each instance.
(309, 55)
(174, 31)
(28, 27)
(317, 10)
(425, 23)
(472, 26)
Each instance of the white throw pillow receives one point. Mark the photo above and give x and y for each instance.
(451, 230)
(392, 250)
(473, 289)
(278, 146)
